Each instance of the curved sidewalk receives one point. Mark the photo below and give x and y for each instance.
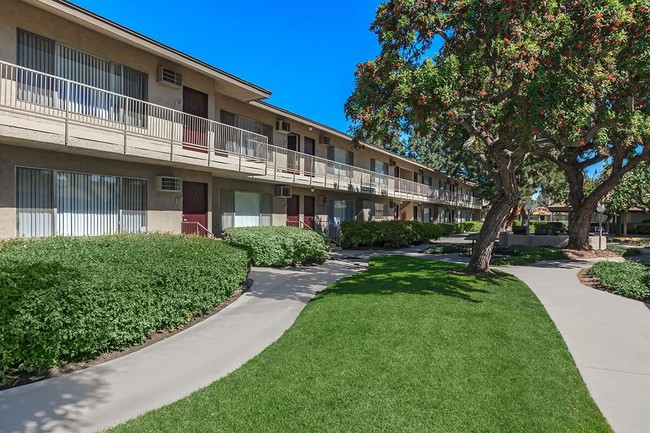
(110, 393)
(607, 335)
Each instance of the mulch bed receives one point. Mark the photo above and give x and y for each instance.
(71, 367)
(589, 254)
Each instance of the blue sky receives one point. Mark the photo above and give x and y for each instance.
(304, 51)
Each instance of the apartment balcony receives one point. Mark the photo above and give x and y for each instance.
(45, 109)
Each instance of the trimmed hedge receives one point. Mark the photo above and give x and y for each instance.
(280, 246)
(638, 229)
(554, 227)
(388, 234)
(630, 279)
(71, 299)
(459, 228)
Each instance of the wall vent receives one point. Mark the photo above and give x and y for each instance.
(169, 77)
(168, 184)
(324, 139)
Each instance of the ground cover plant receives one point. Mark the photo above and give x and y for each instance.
(409, 345)
(388, 234)
(520, 255)
(630, 279)
(513, 255)
(280, 246)
(71, 299)
(623, 251)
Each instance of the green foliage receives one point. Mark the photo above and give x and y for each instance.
(446, 248)
(630, 279)
(280, 246)
(634, 191)
(519, 255)
(388, 234)
(407, 346)
(623, 251)
(638, 229)
(554, 227)
(71, 299)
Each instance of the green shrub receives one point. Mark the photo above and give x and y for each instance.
(521, 255)
(444, 248)
(280, 246)
(71, 299)
(473, 226)
(388, 234)
(630, 279)
(555, 227)
(646, 221)
(638, 229)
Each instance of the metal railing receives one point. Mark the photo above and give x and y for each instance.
(195, 228)
(126, 125)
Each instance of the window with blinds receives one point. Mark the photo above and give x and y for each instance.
(46, 55)
(247, 124)
(65, 203)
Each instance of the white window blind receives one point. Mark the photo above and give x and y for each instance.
(34, 207)
(77, 204)
(247, 209)
(45, 55)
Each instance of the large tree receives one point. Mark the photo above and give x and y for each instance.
(473, 93)
(594, 102)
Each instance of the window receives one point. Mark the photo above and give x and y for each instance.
(245, 209)
(427, 180)
(342, 156)
(251, 125)
(339, 211)
(47, 56)
(65, 203)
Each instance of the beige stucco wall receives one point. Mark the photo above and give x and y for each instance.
(164, 208)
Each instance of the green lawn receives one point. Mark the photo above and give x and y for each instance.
(407, 346)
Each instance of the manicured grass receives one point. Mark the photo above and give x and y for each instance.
(630, 279)
(407, 346)
(71, 299)
(518, 256)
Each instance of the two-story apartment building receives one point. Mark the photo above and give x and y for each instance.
(103, 130)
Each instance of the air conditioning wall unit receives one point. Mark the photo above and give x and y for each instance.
(169, 184)
(283, 191)
(324, 139)
(169, 77)
(283, 127)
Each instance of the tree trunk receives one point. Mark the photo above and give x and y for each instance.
(516, 210)
(579, 226)
(482, 252)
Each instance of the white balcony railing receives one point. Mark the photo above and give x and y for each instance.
(101, 120)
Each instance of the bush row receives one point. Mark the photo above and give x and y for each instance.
(638, 229)
(458, 228)
(71, 299)
(388, 234)
(279, 246)
(630, 279)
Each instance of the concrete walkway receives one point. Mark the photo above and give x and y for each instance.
(607, 335)
(116, 391)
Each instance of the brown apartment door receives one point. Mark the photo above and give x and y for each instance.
(195, 207)
(310, 149)
(310, 210)
(195, 127)
(293, 161)
(293, 210)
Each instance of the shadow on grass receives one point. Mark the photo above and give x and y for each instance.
(389, 275)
